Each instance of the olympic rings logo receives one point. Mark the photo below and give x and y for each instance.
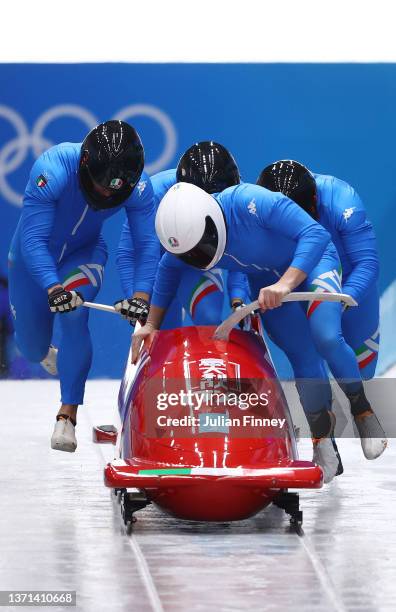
(14, 152)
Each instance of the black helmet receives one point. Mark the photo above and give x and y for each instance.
(208, 165)
(293, 180)
(111, 163)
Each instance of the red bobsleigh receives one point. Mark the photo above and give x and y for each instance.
(206, 430)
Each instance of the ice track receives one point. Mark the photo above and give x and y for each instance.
(61, 529)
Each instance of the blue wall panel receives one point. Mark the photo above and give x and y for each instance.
(336, 118)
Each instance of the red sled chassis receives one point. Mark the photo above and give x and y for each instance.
(206, 430)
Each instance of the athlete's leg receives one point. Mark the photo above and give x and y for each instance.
(325, 323)
(287, 327)
(84, 273)
(33, 320)
(360, 326)
(202, 295)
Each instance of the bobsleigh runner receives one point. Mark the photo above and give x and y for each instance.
(206, 431)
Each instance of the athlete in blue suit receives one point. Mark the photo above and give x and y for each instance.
(57, 255)
(210, 166)
(337, 206)
(267, 235)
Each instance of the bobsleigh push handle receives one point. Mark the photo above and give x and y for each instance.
(321, 296)
(223, 331)
(104, 307)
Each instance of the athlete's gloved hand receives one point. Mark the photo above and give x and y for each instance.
(133, 309)
(61, 300)
(244, 324)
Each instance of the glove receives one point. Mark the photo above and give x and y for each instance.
(133, 309)
(245, 324)
(61, 300)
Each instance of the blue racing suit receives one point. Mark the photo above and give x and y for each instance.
(58, 240)
(200, 294)
(341, 212)
(267, 233)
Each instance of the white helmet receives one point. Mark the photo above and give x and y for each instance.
(190, 224)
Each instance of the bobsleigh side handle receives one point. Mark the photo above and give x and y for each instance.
(223, 331)
(320, 296)
(104, 307)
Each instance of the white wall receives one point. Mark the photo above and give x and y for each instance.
(197, 30)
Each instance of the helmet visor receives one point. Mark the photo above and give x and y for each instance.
(96, 195)
(202, 255)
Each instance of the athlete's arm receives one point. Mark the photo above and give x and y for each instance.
(126, 252)
(271, 296)
(166, 283)
(154, 321)
(238, 287)
(167, 280)
(359, 242)
(141, 216)
(125, 259)
(284, 217)
(46, 183)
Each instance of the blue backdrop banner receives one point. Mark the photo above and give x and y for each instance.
(336, 119)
